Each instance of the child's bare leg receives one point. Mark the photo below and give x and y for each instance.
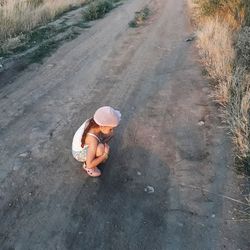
(95, 172)
(100, 150)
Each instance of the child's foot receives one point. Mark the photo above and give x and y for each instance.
(94, 172)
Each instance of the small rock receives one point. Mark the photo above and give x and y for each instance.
(10, 204)
(80, 233)
(25, 154)
(51, 65)
(15, 168)
(1, 66)
(138, 173)
(149, 189)
(213, 215)
(201, 123)
(190, 38)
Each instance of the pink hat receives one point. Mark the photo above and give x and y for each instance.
(107, 116)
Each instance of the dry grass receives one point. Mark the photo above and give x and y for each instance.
(237, 112)
(219, 23)
(232, 12)
(17, 16)
(217, 53)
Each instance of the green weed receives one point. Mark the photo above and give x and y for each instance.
(140, 17)
(97, 9)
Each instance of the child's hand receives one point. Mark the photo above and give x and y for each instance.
(106, 148)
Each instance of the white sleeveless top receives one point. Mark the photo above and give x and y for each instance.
(77, 139)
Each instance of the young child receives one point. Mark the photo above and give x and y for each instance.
(90, 140)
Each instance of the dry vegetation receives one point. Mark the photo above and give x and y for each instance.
(140, 17)
(17, 16)
(223, 39)
(98, 8)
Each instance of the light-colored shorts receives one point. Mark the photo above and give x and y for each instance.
(80, 155)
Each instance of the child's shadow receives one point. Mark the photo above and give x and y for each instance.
(129, 199)
(133, 165)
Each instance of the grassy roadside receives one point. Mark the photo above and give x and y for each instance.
(223, 39)
(33, 44)
(22, 16)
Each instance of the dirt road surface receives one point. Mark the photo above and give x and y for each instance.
(169, 145)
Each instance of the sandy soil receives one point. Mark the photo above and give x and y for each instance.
(169, 145)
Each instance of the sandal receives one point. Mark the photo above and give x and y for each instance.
(94, 172)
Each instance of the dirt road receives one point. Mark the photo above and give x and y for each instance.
(169, 145)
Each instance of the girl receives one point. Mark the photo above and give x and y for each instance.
(90, 140)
